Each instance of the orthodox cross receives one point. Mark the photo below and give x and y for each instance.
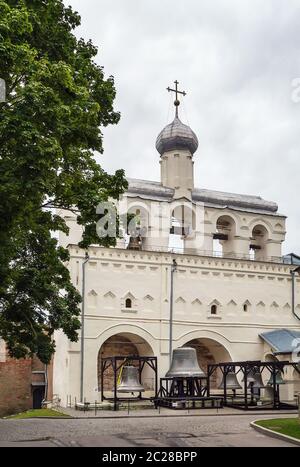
(176, 102)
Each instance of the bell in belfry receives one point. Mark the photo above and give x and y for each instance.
(135, 243)
(130, 380)
(185, 364)
(231, 381)
(278, 379)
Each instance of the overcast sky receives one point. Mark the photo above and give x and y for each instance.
(236, 59)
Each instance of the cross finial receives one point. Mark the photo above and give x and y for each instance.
(176, 102)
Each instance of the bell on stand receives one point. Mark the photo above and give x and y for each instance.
(183, 369)
(255, 383)
(231, 381)
(278, 379)
(255, 379)
(184, 364)
(130, 380)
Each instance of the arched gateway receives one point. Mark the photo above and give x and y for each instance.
(209, 352)
(124, 344)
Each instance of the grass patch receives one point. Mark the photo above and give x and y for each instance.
(285, 426)
(38, 413)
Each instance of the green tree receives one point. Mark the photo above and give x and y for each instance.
(50, 125)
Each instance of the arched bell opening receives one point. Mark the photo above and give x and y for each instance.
(224, 236)
(210, 352)
(258, 242)
(137, 226)
(183, 226)
(125, 344)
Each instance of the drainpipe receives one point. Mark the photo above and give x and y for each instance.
(82, 327)
(293, 273)
(46, 383)
(173, 269)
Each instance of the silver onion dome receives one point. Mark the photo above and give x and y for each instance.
(176, 135)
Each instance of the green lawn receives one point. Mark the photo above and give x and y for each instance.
(38, 413)
(286, 426)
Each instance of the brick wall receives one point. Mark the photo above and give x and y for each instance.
(15, 386)
(15, 383)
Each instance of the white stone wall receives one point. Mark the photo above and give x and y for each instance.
(112, 275)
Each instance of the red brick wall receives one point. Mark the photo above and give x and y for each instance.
(15, 386)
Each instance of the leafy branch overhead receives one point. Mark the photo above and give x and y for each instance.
(57, 101)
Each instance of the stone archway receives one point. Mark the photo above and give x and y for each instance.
(259, 238)
(209, 352)
(124, 344)
(224, 236)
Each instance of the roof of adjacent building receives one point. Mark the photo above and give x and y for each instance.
(292, 258)
(156, 191)
(281, 340)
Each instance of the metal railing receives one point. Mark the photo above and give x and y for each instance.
(213, 254)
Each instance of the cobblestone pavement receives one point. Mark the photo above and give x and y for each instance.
(158, 432)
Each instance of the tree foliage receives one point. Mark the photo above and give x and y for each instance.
(50, 125)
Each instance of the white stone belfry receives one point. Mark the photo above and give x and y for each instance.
(231, 290)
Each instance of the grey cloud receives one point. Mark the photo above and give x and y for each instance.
(236, 59)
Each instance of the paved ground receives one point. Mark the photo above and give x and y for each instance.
(164, 412)
(161, 431)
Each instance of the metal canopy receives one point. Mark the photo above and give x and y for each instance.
(281, 340)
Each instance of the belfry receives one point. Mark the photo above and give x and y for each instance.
(200, 268)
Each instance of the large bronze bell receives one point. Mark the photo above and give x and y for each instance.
(184, 364)
(279, 379)
(130, 380)
(231, 381)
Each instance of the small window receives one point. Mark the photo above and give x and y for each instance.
(128, 303)
(213, 310)
(245, 307)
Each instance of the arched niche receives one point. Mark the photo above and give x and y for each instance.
(258, 242)
(210, 352)
(125, 344)
(224, 237)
